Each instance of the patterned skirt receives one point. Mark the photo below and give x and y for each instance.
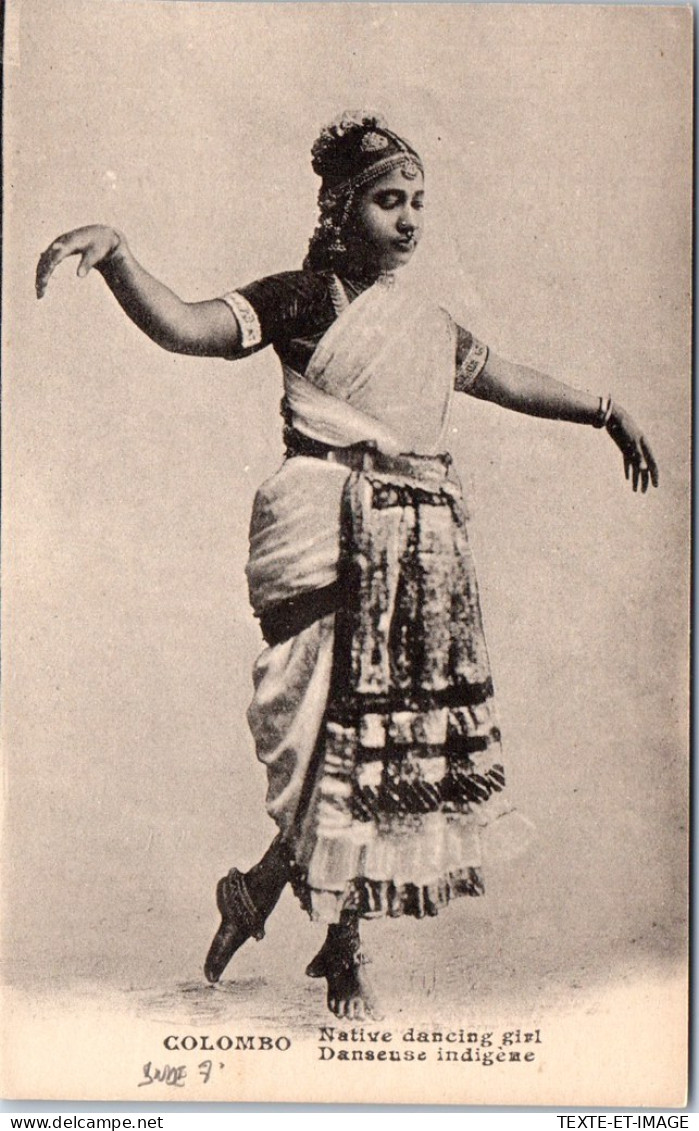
(407, 767)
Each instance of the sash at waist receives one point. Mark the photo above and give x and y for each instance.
(295, 526)
(365, 456)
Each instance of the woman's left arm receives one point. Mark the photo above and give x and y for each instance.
(526, 390)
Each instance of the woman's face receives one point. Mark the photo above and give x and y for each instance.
(389, 219)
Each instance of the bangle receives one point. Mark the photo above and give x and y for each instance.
(604, 412)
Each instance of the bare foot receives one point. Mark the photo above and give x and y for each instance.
(341, 962)
(350, 995)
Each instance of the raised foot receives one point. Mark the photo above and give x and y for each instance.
(240, 920)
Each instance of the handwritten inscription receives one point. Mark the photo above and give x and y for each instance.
(172, 1075)
(175, 1076)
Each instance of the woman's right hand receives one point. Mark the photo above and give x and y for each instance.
(202, 329)
(94, 244)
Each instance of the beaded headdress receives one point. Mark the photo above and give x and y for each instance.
(357, 149)
(350, 153)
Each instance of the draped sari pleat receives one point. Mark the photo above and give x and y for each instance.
(376, 722)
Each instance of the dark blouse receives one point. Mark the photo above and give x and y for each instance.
(292, 311)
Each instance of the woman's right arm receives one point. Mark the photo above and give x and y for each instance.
(206, 329)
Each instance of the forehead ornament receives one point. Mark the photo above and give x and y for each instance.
(410, 169)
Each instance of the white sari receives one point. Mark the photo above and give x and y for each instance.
(382, 374)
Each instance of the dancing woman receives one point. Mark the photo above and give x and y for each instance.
(373, 704)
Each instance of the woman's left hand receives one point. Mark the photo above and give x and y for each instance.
(639, 463)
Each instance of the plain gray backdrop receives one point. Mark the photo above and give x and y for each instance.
(557, 143)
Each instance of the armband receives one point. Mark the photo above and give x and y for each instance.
(246, 317)
(470, 366)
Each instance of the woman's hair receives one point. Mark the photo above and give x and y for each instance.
(348, 155)
(327, 248)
